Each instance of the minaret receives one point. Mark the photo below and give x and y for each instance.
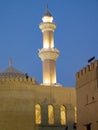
(48, 53)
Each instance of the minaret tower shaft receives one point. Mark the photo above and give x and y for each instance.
(48, 53)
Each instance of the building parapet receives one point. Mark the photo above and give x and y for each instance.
(92, 66)
(21, 80)
(87, 74)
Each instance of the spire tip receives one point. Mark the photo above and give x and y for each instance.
(47, 7)
(10, 62)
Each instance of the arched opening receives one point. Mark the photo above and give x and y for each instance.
(63, 115)
(50, 114)
(75, 114)
(37, 114)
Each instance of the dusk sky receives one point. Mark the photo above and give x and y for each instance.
(76, 35)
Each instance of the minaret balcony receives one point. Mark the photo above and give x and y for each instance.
(47, 26)
(48, 53)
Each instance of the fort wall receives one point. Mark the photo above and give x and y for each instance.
(87, 74)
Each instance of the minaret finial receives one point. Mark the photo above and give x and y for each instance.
(10, 62)
(47, 7)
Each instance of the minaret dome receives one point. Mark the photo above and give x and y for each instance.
(47, 16)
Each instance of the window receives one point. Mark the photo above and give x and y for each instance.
(63, 115)
(75, 114)
(97, 125)
(50, 114)
(37, 114)
(88, 127)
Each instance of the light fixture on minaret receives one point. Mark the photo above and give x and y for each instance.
(48, 53)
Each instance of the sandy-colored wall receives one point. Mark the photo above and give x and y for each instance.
(87, 97)
(17, 103)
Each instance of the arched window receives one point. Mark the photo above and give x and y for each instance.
(50, 114)
(63, 115)
(37, 114)
(75, 114)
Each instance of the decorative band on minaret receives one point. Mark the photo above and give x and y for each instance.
(48, 53)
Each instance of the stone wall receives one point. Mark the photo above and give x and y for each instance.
(87, 97)
(19, 97)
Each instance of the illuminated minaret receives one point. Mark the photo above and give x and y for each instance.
(48, 53)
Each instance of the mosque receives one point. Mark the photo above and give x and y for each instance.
(27, 105)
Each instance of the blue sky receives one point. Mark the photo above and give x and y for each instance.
(76, 35)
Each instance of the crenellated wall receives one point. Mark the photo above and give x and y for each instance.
(16, 80)
(87, 97)
(87, 74)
